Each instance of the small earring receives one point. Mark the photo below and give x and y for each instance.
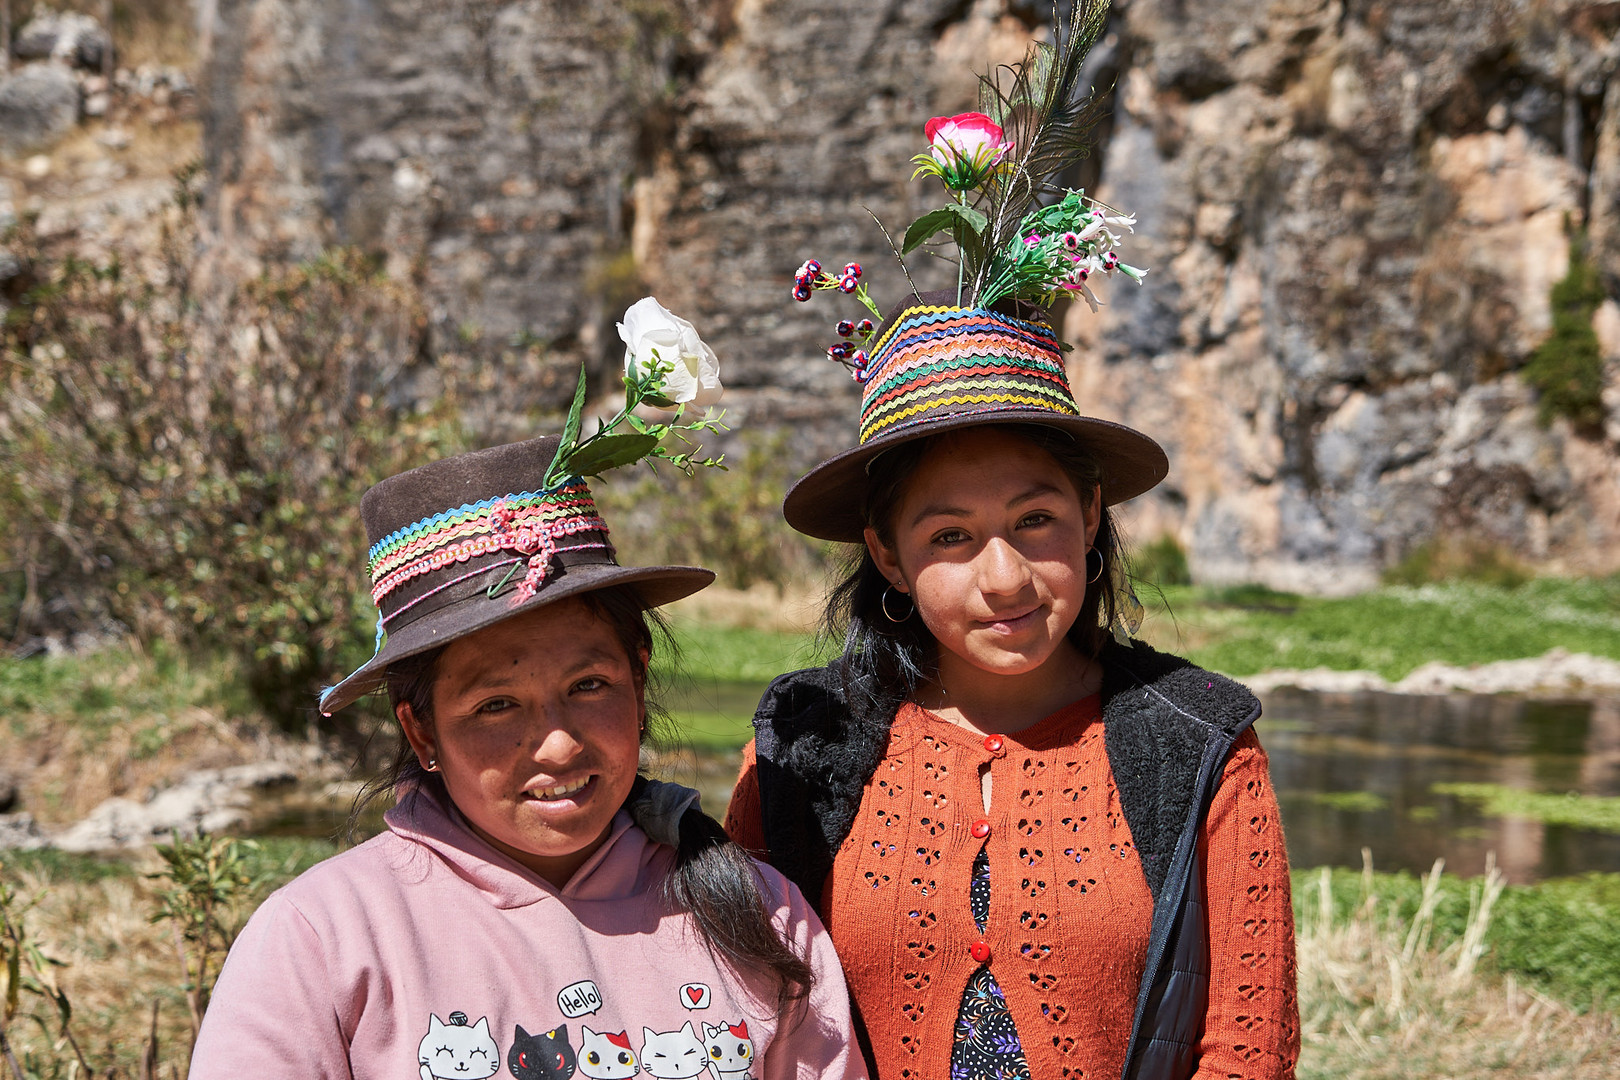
(883, 604)
(432, 764)
(1092, 580)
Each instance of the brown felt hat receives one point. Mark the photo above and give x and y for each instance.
(936, 367)
(460, 544)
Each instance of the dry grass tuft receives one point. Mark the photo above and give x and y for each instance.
(1378, 1000)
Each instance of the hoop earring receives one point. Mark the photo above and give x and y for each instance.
(1092, 580)
(883, 604)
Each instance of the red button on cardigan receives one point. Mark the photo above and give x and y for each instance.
(995, 744)
(980, 952)
(980, 829)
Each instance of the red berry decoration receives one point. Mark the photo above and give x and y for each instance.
(847, 284)
(865, 328)
(852, 270)
(801, 292)
(845, 328)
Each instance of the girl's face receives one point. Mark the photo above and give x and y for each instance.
(990, 540)
(536, 729)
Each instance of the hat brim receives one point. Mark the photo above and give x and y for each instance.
(656, 585)
(829, 502)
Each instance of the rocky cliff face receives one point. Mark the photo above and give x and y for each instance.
(1354, 212)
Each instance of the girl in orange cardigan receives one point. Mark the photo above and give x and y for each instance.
(1040, 852)
(1042, 848)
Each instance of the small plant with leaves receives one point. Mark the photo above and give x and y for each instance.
(206, 886)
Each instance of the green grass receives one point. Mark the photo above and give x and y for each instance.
(712, 692)
(722, 654)
(53, 865)
(1596, 812)
(120, 685)
(1390, 630)
(1561, 935)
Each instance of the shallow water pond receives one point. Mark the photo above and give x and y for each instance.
(1415, 778)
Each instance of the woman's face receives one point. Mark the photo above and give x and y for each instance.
(536, 730)
(990, 540)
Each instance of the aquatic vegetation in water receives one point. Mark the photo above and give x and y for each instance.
(1595, 812)
(1354, 802)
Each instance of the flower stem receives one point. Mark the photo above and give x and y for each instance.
(961, 256)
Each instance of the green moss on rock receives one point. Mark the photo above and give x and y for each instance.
(1567, 368)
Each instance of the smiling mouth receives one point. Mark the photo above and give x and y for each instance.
(1010, 620)
(558, 791)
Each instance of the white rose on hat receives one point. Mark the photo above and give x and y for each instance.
(654, 335)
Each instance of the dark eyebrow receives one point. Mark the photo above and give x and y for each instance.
(489, 678)
(937, 510)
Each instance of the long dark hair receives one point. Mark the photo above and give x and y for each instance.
(884, 662)
(713, 879)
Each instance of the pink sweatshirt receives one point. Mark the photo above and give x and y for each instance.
(424, 953)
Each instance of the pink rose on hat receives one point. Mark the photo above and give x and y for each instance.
(964, 148)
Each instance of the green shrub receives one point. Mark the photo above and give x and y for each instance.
(1567, 368)
(190, 465)
(727, 520)
(1163, 562)
(1441, 560)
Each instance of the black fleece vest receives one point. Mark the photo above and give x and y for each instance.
(1168, 727)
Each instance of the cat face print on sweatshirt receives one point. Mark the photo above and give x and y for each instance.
(455, 1051)
(731, 1051)
(606, 1056)
(541, 1057)
(671, 1055)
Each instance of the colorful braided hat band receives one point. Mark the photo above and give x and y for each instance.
(935, 360)
(530, 524)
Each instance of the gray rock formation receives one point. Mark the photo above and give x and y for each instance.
(38, 104)
(67, 37)
(210, 800)
(20, 832)
(1354, 212)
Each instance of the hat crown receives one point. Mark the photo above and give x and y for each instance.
(935, 360)
(399, 502)
(475, 522)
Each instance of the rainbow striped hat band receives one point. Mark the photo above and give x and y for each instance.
(936, 367)
(934, 360)
(464, 543)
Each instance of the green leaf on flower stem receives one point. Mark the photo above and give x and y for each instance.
(609, 452)
(951, 216)
(570, 435)
(575, 411)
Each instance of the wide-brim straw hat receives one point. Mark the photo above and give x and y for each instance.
(463, 543)
(936, 367)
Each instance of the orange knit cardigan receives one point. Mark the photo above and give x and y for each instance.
(1069, 906)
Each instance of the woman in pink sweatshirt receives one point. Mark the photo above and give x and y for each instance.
(535, 906)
